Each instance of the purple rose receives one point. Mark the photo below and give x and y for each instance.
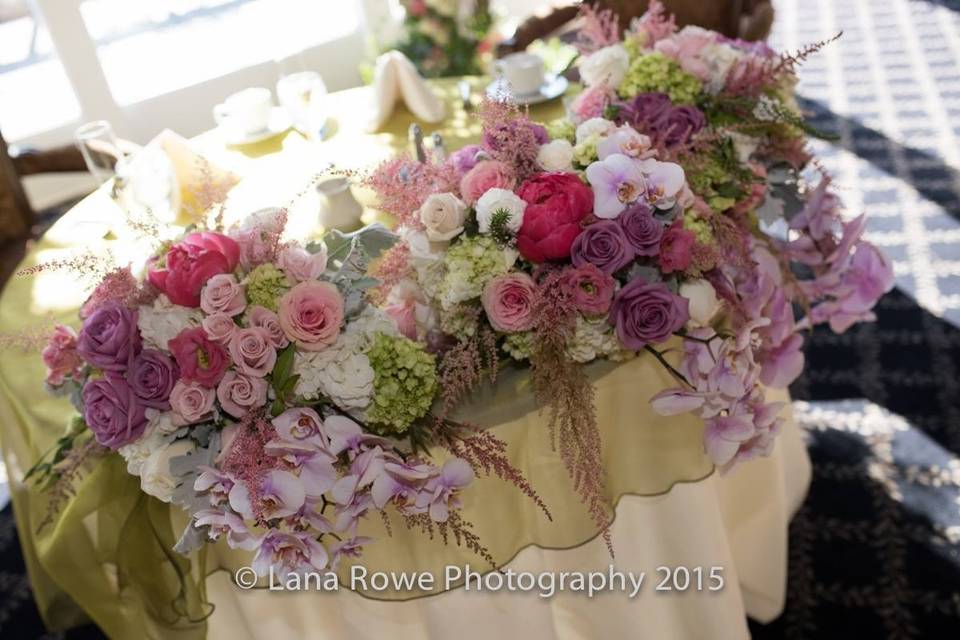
(681, 124)
(644, 111)
(152, 377)
(604, 245)
(109, 339)
(466, 158)
(643, 313)
(642, 230)
(112, 411)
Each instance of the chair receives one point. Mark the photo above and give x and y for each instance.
(747, 19)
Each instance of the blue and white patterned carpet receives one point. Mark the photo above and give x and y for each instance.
(875, 550)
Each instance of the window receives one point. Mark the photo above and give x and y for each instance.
(149, 48)
(35, 94)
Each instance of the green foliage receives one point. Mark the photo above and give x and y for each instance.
(283, 380)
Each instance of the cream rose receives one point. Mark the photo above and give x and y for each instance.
(443, 215)
(496, 200)
(607, 66)
(556, 156)
(703, 301)
(155, 477)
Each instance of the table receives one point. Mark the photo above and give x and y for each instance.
(737, 523)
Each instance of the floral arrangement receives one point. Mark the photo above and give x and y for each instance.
(446, 37)
(665, 215)
(280, 392)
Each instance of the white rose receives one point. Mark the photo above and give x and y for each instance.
(155, 477)
(594, 127)
(162, 321)
(443, 215)
(703, 301)
(556, 156)
(495, 200)
(606, 66)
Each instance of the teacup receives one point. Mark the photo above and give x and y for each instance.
(523, 71)
(245, 112)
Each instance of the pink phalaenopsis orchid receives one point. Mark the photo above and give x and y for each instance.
(289, 553)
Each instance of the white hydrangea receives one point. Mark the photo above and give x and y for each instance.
(358, 336)
(162, 321)
(592, 339)
(343, 376)
(136, 453)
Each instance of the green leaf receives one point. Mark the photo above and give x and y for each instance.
(276, 408)
(283, 367)
(289, 386)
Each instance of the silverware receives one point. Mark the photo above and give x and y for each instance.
(416, 142)
(439, 151)
(465, 90)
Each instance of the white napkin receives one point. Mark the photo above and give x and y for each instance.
(395, 77)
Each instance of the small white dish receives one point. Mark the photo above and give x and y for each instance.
(278, 123)
(552, 88)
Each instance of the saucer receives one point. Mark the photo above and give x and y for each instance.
(279, 123)
(552, 88)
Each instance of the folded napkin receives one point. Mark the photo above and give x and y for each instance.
(197, 183)
(395, 77)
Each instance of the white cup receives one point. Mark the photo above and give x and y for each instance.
(523, 71)
(245, 112)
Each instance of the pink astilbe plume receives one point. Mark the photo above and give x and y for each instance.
(511, 137)
(65, 476)
(402, 185)
(455, 526)
(247, 460)
(390, 268)
(121, 286)
(90, 265)
(209, 193)
(599, 28)
(32, 338)
(654, 25)
(563, 388)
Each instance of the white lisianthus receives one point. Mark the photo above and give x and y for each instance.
(495, 200)
(155, 477)
(704, 304)
(556, 155)
(359, 334)
(598, 127)
(443, 214)
(606, 66)
(162, 321)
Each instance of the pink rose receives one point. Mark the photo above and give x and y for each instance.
(675, 248)
(556, 204)
(301, 265)
(219, 327)
(191, 403)
(486, 175)
(200, 359)
(60, 355)
(190, 263)
(508, 301)
(238, 394)
(591, 288)
(311, 314)
(252, 352)
(223, 294)
(269, 321)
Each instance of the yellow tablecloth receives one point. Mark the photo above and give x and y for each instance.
(643, 454)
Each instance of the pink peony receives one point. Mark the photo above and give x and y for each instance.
(223, 294)
(301, 265)
(592, 289)
(508, 301)
(191, 403)
(200, 359)
(311, 314)
(190, 263)
(60, 355)
(238, 393)
(676, 247)
(252, 351)
(556, 204)
(219, 327)
(269, 321)
(486, 175)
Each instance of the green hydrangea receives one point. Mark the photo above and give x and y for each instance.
(265, 285)
(404, 383)
(562, 128)
(519, 345)
(470, 264)
(460, 321)
(657, 72)
(701, 228)
(585, 153)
